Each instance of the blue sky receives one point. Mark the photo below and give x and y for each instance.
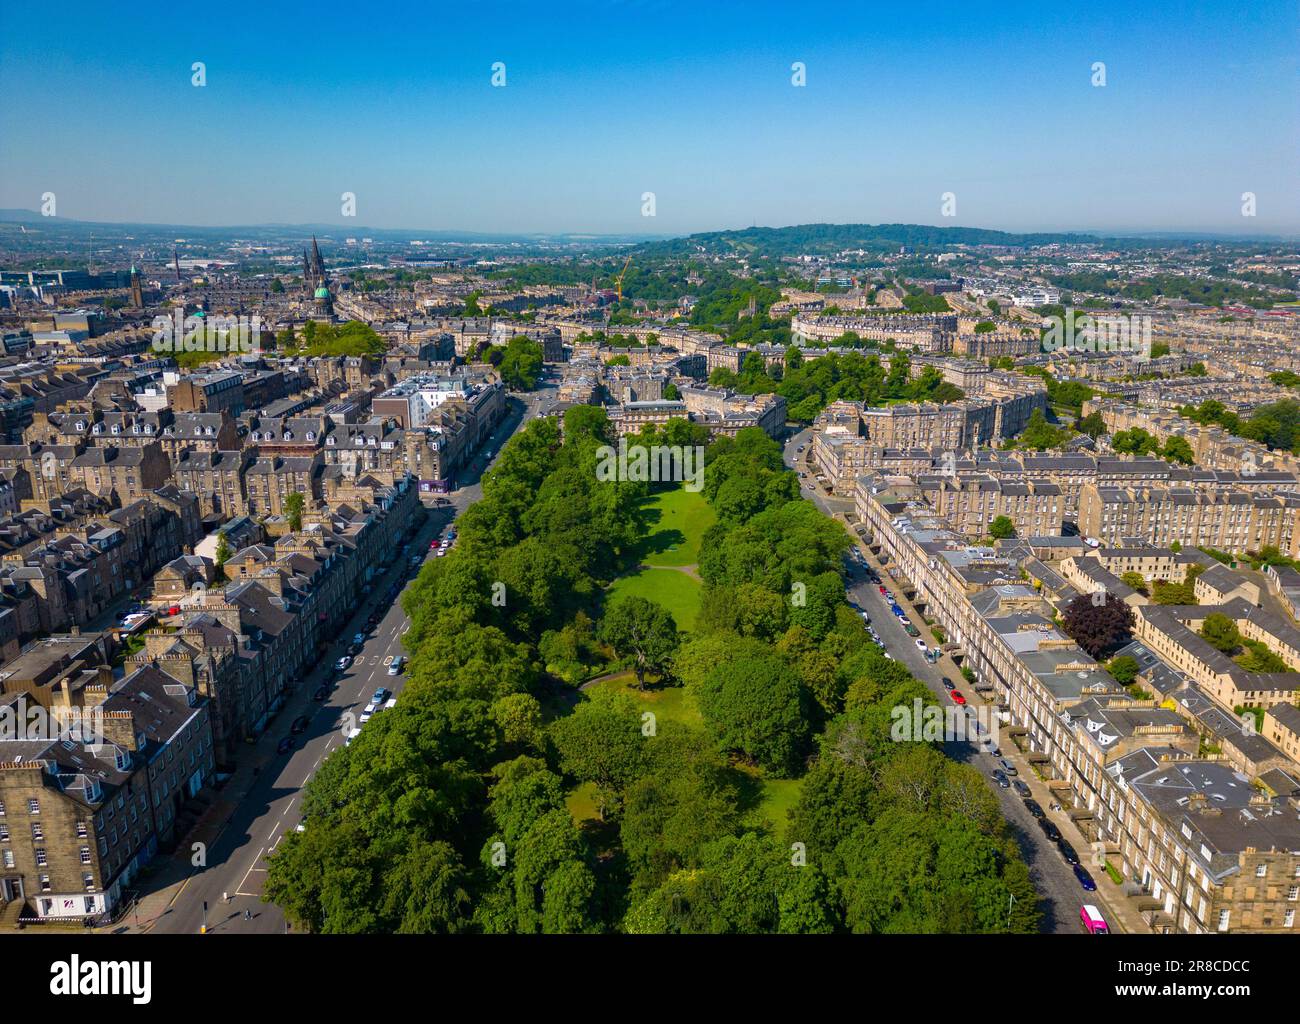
(693, 102)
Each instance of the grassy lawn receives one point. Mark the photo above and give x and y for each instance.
(676, 521)
(581, 802)
(676, 591)
(776, 801)
(669, 704)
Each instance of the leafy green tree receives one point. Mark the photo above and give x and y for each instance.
(760, 707)
(642, 631)
(1124, 669)
(601, 743)
(1220, 632)
(293, 506)
(1002, 528)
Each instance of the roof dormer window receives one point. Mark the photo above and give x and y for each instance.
(81, 424)
(329, 439)
(311, 436)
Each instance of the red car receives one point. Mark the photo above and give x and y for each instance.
(884, 592)
(957, 698)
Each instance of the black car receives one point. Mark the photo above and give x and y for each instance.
(1032, 807)
(285, 746)
(1051, 831)
(322, 693)
(1085, 879)
(1067, 851)
(1020, 788)
(948, 684)
(300, 724)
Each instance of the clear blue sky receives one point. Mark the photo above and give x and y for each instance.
(605, 101)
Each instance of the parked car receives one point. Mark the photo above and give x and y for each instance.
(343, 663)
(322, 693)
(285, 745)
(1020, 788)
(1000, 779)
(300, 724)
(1033, 808)
(1093, 922)
(948, 684)
(1050, 830)
(1067, 851)
(883, 591)
(358, 639)
(957, 697)
(1007, 766)
(395, 666)
(382, 694)
(920, 646)
(1085, 879)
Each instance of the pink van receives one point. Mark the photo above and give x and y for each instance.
(1093, 922)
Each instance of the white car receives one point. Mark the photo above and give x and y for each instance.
(343, 663)
(920, 646)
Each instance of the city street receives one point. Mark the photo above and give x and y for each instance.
(269, 798)
(1061, 893)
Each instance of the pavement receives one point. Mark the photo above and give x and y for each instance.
(261, 802)
(1061, 894)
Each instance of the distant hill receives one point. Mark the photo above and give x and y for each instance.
(832, 238)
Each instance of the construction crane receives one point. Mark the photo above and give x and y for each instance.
(619, 280)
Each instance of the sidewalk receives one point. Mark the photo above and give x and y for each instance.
(1120, 911)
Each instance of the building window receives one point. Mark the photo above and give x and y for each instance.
(40, 858)
(1293, 893)
(89, 881)
(85, 855)
(38, 834)
(81, 830)
(4, 833)
(1261, 870)
(33, 806)
(45, 883)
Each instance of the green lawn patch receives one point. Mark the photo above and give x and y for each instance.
(677, 521)
(676, 591)
(669, 703)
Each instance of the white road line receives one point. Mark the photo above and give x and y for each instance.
(256, 861)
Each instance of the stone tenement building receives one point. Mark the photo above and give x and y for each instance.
(1228, 520)
(1206, 852)
(79, 820)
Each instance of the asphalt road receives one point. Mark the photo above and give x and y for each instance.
(271, 807)
(1060, 893)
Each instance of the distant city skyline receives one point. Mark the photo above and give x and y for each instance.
(605, 102)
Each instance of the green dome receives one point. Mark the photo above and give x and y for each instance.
(322, 292)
